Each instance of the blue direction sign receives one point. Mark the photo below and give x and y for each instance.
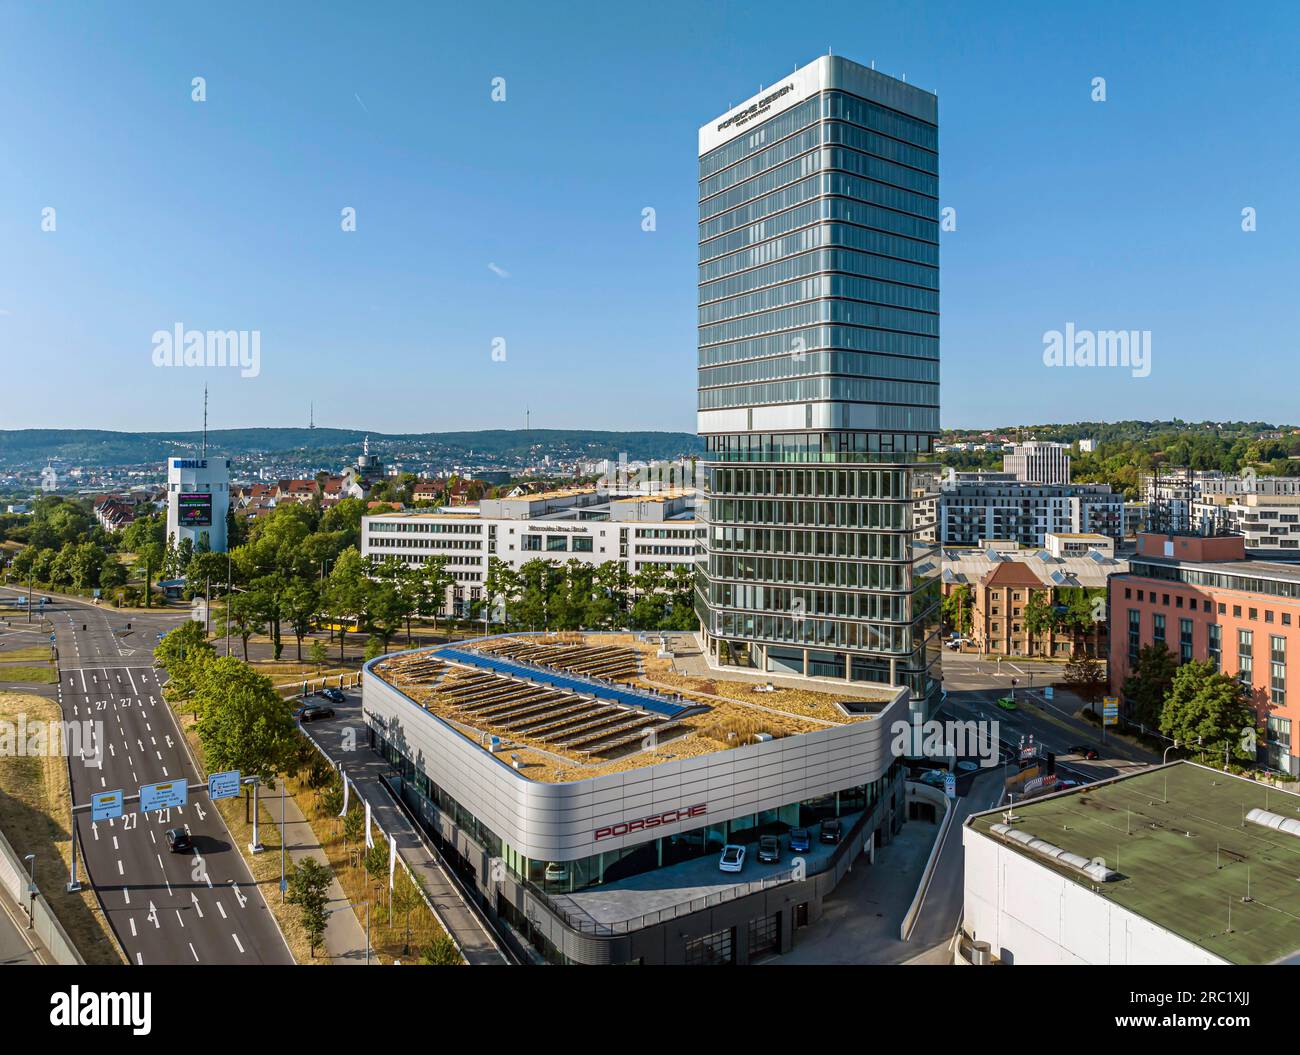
(162, 796)
(223, 785)
(106, 805)
(950, 784)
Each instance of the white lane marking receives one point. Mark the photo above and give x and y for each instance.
(197, 907)
(179, 919)
(120, 870)
(195, 954)
(132, 922)
(152, 917)
(139, 960)
(221, 910)
(236, 937)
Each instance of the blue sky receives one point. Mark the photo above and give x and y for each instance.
(226, 214)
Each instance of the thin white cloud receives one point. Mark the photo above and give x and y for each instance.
(497, 270)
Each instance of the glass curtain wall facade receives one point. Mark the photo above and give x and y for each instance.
(819, 378)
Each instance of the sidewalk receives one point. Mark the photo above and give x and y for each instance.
(476, 944)
(345, 938)
(18, 945)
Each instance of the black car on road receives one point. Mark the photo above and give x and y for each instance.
(178, 841)
(312, 712)
(832, 830)
(333, 695)
(769, 849)
(1085, 751)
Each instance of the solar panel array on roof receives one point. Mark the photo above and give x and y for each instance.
(668, 706)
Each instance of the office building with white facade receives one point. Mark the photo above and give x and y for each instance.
(582, 524)
(1038, 462)
(819, 377)
(198, 501)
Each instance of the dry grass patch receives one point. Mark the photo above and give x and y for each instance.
(34, 803)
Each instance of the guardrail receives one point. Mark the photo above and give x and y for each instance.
(45, 924)
(917, 790)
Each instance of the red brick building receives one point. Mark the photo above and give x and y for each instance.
(1203, 599)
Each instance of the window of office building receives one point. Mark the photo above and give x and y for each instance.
(1134, 634)
(1185, 640)
(531, 543)
(557, 543)
(582, 544)
(1216, 645)
(1245, 655)
(1158, 628)
(1277, 670)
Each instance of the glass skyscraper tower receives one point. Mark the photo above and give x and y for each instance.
(819, 378)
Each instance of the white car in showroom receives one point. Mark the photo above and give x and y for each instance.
(732, 859)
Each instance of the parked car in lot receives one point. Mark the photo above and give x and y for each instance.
(769, 849)
(832, 830)
(313, 712)
(1007, 703)
(800, 840)
(934, 777)
(178, 841)
(333, 695)
(1085, 751)
(732, 859)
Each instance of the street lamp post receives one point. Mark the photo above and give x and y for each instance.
(31, 887)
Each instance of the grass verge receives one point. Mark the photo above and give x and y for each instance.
(34, 802)
(18, 674)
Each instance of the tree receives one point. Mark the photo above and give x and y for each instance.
(354, 830)
(387, 609)
(308, 883)
(1039, 614)
(1146, 687)
(433, 581)
(405, 900)
(317, 654)
(301, 602)
(347, 593)
(245, 613)
(242, 723)
(957, 609)
(441, 952)
(1086, 676)
(1207, 707)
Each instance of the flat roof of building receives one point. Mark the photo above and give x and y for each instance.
(569, 706)
(1186, 855)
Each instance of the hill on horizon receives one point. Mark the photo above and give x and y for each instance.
(23, 447)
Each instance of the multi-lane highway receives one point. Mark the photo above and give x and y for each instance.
(165, 908)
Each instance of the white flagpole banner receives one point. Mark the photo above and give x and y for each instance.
(344, 812)
(370, 839)
(392, 860)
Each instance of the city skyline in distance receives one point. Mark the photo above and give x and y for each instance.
(1115, 215)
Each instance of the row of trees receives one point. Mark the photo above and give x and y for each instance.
(1194, 703)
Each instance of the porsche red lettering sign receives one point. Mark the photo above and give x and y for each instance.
(654, 821)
